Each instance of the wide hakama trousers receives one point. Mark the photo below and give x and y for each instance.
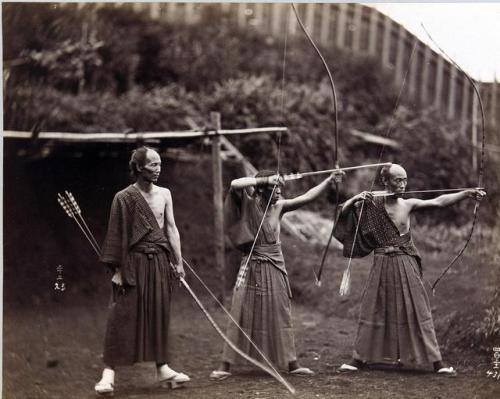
(395, 321)
(262, 307)
(138, 323)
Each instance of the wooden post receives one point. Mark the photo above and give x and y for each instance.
(400, 67)
(356, 36)
(276, 24)
(310, 9)
(439, 83)
(494, 111)
(412, 77)
(474, 133)
(325, 23)
(372, 38)
(452, 91)
(242, 17)
(154, 10)
(341, 24)
(386, 41)
(171, 12)
(425, 75)
(258, 15)
(465, 112)
(218, 205)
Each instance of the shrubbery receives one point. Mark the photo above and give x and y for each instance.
(148, 76)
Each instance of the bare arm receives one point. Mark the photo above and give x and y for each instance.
(309, 196)
(352, 201)
(246, 182)
(446, 199)
(173, 233)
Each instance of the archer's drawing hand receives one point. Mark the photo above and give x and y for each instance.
(337, 176)
(275, 180)
(476, 193)
(117, 277)
(365, 195)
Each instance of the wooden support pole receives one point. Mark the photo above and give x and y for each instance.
(475, 106)
(494, 110)
(386, 42)
(438, 93)
(325, 23)
(465, 112)
(310, 26)
(242, 17)
(452, 91)
(400, 56)
(218, 205)
(356, 35)
(412, 85)
(372, 38)
(278, 12)
(341, 24)
(425, 75)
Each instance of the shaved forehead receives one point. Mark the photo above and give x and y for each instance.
(152, 155)
(396, 169)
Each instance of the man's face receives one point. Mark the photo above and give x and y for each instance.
(150, 172)
(397, 180)
(266, 193)
(276, 195)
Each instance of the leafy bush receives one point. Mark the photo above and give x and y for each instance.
(148, 75)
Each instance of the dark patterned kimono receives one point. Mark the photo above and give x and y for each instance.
(262, 305)
(395, 322)
(138, 323)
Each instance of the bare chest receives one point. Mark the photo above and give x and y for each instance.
(157, 204)
(400, 216)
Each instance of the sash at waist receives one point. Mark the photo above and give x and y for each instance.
(392, 250)
(151, 248)
(272, 251)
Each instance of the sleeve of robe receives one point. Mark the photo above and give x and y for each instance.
(345, 232)
(235, 220)
(115, 243)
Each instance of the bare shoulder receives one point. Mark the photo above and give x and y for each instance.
(411, 203)
(165, 193)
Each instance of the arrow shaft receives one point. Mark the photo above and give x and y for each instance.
(445, 190)
(294, 176)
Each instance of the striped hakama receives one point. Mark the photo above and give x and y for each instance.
(261, 305)
(395, 322)
(138, 323)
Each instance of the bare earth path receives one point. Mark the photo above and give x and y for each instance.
(55, 353)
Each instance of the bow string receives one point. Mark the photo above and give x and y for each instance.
(335, 140)
(481, 166)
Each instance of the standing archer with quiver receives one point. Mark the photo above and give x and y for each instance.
(142, 247)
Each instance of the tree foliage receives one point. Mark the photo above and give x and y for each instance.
(111, 69)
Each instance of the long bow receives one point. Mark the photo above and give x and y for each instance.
(72, 209)
(335, 141)
(481, 167)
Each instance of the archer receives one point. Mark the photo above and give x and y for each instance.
(261, 299)
(141, 243)
(395, 323)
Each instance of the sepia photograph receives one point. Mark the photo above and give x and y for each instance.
(208, 200)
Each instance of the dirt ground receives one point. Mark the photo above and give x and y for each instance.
(52, 341)
(51, 361)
